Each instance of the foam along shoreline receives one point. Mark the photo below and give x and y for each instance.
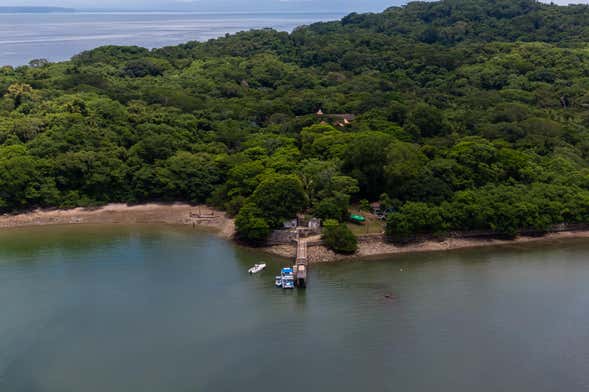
(154, 213)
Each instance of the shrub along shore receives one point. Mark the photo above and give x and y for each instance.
(180, 214)
(376, 248)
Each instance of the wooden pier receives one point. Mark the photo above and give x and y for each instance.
(301, 264)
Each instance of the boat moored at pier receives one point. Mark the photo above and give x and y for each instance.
(287, 280)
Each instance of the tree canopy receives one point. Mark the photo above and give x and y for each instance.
(464, 114)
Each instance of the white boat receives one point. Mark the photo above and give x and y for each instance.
(256, 268)
(278, 281)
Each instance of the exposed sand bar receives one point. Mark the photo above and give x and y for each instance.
(177, 213)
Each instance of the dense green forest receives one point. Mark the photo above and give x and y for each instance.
(458, 114)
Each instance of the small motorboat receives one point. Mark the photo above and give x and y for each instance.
(278, 281)
(256, 268)
(358, 219)
(287, 278)
(288, 282)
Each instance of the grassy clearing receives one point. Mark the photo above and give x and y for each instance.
(372, 225)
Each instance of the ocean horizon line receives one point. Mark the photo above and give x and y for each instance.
(11, 10)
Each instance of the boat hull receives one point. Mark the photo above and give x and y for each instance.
(256, 268)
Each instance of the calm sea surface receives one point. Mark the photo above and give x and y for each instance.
(158, 308)
(56, 37)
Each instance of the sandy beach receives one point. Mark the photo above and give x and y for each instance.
(177, 214)
(204, 216)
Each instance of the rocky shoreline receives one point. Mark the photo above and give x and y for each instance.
(204, 216)
(375, 246)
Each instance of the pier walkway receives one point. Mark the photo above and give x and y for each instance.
(301, 265)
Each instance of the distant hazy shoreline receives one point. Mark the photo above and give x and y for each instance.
(57, 10)
(34, 10)
(57, 36)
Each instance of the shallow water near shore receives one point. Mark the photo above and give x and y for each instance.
(166, 308)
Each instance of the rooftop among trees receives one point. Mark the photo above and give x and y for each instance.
(468, 114)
